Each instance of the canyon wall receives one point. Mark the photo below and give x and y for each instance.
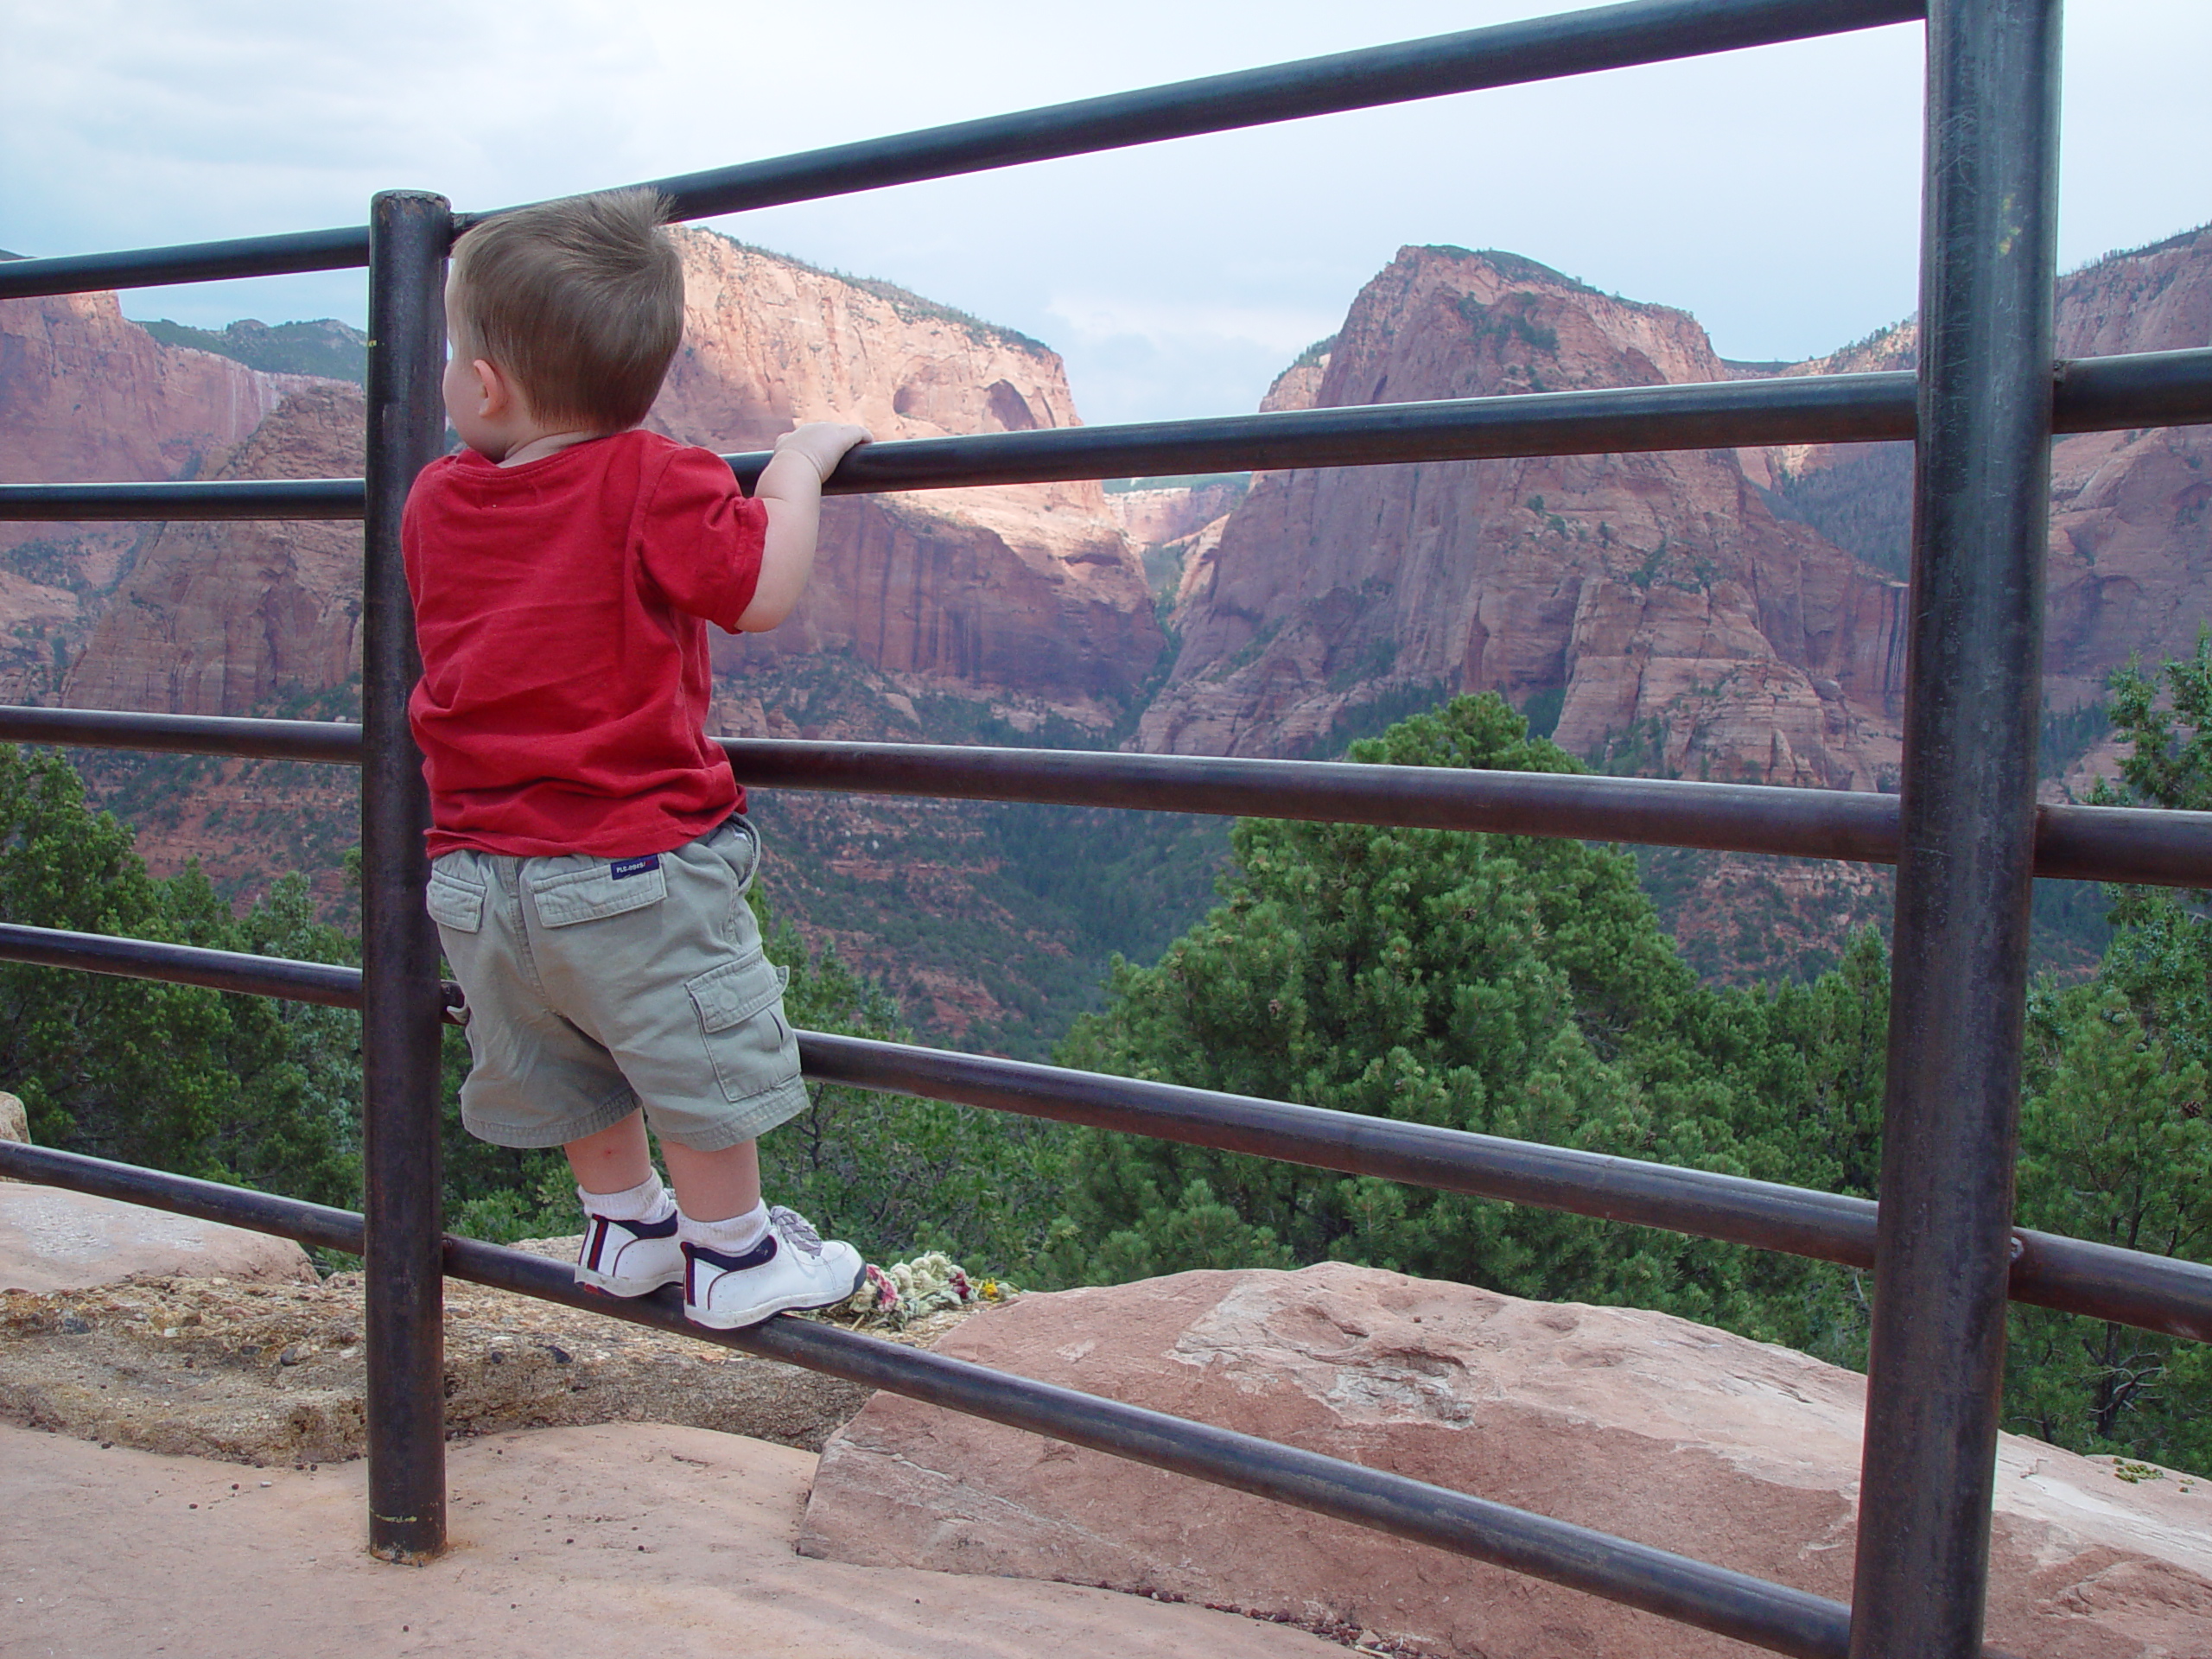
(2130, 550)
(1654, 596)
(1732, 614)
(2130, 528)
(225, 619)
(1031, 594)
(86, 395)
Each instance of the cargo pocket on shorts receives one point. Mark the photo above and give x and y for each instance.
(567, 897)
(455, 903)
(741, 1019)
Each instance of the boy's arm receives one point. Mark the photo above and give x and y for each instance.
(791, 489)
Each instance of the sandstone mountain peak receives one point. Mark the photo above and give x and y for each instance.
(1652, 595)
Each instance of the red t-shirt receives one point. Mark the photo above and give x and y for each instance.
(562, 609)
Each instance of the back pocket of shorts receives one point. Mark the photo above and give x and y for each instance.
(567, 897)
(741, 1019)
(455, 903)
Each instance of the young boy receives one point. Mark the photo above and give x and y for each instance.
(589, 855)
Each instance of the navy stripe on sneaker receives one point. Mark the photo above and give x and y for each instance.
(759, 1256)
(595, 1255)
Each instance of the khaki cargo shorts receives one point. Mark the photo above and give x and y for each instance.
(596, 986)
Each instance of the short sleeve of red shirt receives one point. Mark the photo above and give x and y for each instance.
(561, 607)
(700, 540)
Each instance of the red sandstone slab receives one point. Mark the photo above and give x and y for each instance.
(1636, 1424)
(53, 1239)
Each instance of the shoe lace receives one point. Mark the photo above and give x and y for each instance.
(796, 1228)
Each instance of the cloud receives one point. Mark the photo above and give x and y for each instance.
(1773, 192)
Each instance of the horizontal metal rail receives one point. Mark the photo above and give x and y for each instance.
(2083, 844)
(1674, 1587)
(1543, 48)
(2156, 1292)
(334, 985)
(198, 501)
(282, 255)
(332, 743)
(2146, 389)
(2152, 846)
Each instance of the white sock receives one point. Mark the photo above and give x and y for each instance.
(647, 1201)
(732, 1238)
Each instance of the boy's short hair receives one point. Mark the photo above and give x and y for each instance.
(580, 302)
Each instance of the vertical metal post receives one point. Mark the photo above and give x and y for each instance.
(1951, 1119)
(408, 234)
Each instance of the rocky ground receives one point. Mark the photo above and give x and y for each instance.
(672, 1541)
(272, 1374)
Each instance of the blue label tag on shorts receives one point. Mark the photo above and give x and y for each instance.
(623, 867)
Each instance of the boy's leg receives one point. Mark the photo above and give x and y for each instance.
(714, 1186)
(616, 1159)
(743, 1261)
(631, 1245)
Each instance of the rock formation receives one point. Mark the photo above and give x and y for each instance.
(1298, 386)
(1031, 591)
(86, 395)
(1638, 1424)
(220, 618)
(2131, 547)
(52, 1239)
(1157, 516)
(1655, 596)
(2130, 532)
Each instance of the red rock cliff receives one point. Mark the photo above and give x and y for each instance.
(1032, 591)
(2131, 547)
(87, 396)
(1656, 594)
(220, 619)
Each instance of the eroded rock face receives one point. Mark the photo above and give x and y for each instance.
(1034, 590)
(1638, 1424)
(1658, 594)
(2130, 528)
(219, 618)
(87, 396)
(2130, 567)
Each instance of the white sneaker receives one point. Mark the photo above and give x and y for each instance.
(629, 1258)
(792, 1267)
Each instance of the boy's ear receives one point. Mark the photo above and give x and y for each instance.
(497, 392)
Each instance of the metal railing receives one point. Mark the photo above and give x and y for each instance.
(1966, 832)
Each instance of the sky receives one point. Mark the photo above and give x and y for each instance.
(1774, 193)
